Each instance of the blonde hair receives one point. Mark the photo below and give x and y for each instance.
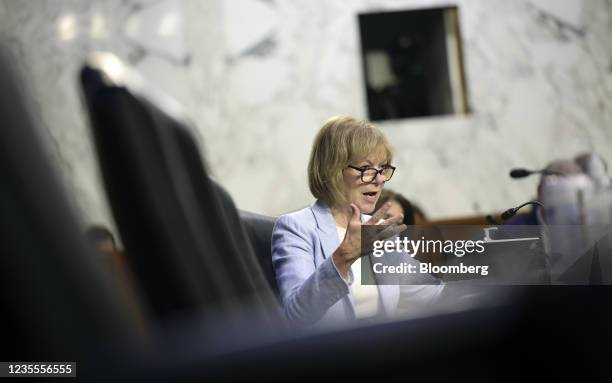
(340, 140)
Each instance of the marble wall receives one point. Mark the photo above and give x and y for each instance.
(259, 77)
(51, 40)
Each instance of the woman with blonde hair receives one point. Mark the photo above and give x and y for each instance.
(316, 252)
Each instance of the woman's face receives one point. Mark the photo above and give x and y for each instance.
(362, 194)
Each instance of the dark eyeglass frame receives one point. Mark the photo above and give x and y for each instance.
(364, 169)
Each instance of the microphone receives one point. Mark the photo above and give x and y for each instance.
(512, 211)
(507, 215)
(522, 173)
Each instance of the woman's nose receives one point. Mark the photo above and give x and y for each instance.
(380, 178)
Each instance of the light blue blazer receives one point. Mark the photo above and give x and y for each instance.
(311, 288)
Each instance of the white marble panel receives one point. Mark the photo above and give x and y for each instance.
(539, 76)
(536, 86)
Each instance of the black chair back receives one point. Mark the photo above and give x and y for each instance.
(181, 231)
(259, 229)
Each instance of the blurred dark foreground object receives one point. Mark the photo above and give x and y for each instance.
(56, 304)
(182, 233)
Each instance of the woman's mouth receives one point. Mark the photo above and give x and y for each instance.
(371, 196)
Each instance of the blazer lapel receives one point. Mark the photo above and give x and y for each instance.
(328, 234)
(326, 228)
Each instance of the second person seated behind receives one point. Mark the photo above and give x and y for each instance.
(316, 252)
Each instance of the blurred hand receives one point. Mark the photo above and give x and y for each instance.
(350, 249)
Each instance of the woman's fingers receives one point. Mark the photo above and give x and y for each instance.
(396, 219)
(379, 214)
(351, 245)
(352, 241)
(353, 230)
(390, 231)
(379, 235)
(356, 214)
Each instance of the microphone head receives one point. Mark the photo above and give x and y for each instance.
(520, 173)
(509, 213)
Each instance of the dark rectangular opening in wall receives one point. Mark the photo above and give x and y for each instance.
(412, 63)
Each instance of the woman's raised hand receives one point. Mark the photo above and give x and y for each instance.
(350, 249)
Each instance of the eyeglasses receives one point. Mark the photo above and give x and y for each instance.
(369, 174)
